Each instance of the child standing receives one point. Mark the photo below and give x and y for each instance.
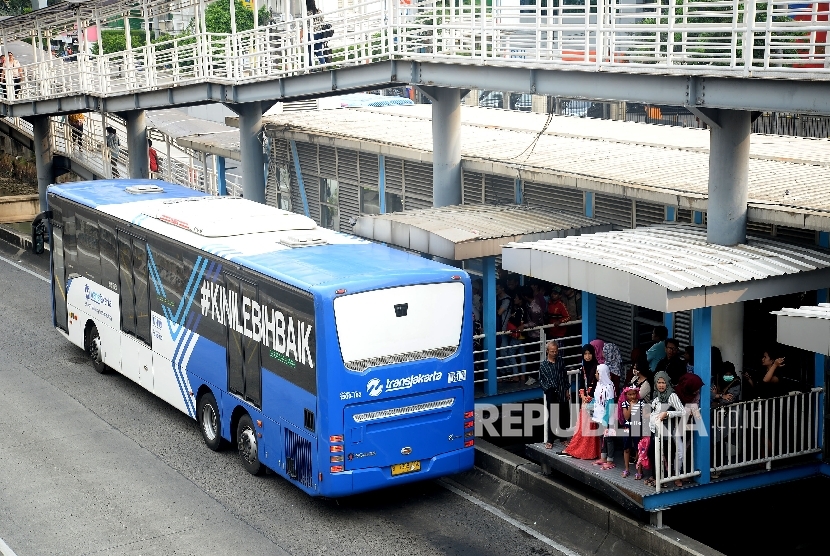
(630, 416)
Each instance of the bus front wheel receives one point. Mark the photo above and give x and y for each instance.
(209, 422)
(94, 350)
(246, 442)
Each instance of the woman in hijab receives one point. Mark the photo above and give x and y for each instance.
(585, 443)
(603, 405)
(598, 345)
(665, 404)
(611, 354)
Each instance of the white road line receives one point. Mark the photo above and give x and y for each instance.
(35, 274)
(501, 515)
(5, 550)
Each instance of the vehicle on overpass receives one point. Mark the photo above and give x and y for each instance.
(340, 364)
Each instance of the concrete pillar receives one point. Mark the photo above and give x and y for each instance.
(702, 323)
(446, 147)
(253, 169)
(728, 173)
(42, 132)
(728, 333)
(38, 5)
(137, 149)
(488, 321)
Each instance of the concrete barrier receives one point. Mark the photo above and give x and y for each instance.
(19, 208)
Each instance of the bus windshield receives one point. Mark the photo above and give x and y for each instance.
(405, 323)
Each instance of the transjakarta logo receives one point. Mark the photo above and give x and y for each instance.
(375, 387)
(96, 297)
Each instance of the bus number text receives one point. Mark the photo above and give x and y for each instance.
(350, 395)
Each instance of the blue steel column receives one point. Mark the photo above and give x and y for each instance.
(382, 183)
(253, 161)
(589, 317)
(668, 322)
(42, 134)
(221, 182)
(488, 316)
(821, 360)
(299, 172)
(702, 322)
(446, 147)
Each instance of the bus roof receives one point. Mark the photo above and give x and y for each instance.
(286, 246)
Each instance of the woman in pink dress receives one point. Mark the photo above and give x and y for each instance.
(585, 441)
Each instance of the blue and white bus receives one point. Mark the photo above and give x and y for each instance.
(340, 364)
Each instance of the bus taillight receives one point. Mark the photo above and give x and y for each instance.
(469, 414)
(335, 449)
(468, 443)
(336, 468)
(336, 438)
(336, 459)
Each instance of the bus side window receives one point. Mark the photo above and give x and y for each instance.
(125, 278)
(244, 371)
(89, 260)
(109, 256)
(142, 291)
(59, 276)
(70, 242)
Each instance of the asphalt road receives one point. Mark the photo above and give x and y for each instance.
(94, 464)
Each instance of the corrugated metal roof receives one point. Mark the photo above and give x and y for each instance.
(469, 231)
(670, 267)
(785, 173)
(820, 311)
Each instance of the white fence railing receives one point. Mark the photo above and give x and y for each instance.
(674, 449)
(519, 358)
(706, 37)
(762, 431)
(88, 147)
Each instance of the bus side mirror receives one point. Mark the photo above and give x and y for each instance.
(40, 232)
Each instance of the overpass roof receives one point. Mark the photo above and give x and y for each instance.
(788, 181)
(671, 267)
(470, 231)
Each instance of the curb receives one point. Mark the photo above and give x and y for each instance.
(528, 476)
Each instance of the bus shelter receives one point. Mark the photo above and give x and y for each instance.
(466, 234)
(672, 268)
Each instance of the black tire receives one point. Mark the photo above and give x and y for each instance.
(246, 443)
(209, 424)
(94, 350)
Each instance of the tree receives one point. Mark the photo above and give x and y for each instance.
(218, 16)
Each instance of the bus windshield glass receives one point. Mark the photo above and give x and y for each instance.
(405, 323)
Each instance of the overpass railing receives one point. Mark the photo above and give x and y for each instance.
(705, 37)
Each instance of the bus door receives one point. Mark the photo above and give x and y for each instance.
(59, 277)
(244, 371)
(134, 294)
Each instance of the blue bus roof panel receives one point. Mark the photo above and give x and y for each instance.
(113, 192)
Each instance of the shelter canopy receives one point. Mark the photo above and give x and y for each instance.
(671, 267)
(807, 327)
(463, 232)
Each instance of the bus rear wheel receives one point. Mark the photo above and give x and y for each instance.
(94, 350)
(209, 422)
(246, 442)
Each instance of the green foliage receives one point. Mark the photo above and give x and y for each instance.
(218, 16)
(114, 40)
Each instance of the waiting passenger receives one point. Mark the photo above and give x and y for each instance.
(728, 388)
(611, 354)
(604, 399)
(672, 364)
(767, 383)
(630, 417)
(689, 358)
(553, 378)
(642, 378)
(665, 405)
(558, 314)
(585, 444)
(516, 339)
(657, 352)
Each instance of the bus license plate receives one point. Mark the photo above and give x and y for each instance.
(401, 468)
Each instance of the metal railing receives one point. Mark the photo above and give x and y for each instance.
(689, 37)
(674, 449)
(514, 355)
(762, 431)
(178, 164)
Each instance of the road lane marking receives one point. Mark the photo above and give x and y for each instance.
(5, 550)
(515, 523)
(24, 269)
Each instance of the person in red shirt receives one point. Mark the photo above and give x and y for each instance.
(154, 159)
(557, 313)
